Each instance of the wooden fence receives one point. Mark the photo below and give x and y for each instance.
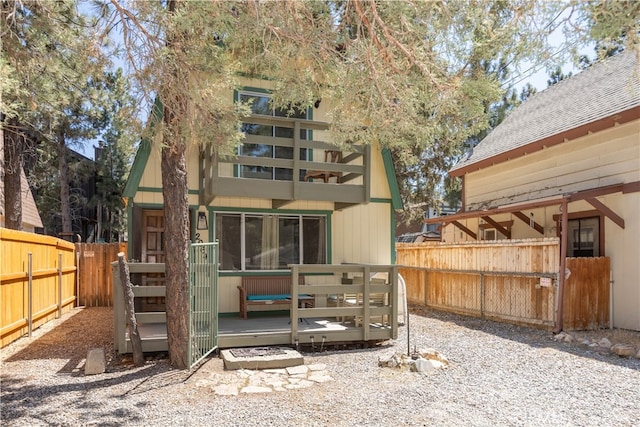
(507, 280)
(587, 293)
(95, 279)
(37, 281)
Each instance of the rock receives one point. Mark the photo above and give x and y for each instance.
(419, 361)
(319, 378)
(585, 342)
(605, 343)
(560, 336)
(96, 362)
(317, 367)
(568, 338)
(424, 365)
(226, 390)
(623, 350)
(390, 361)
(297, 370)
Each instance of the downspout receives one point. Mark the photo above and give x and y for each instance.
(563, 265)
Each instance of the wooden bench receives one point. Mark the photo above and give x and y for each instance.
(265, 290)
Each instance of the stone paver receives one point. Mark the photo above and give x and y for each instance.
(224, 382)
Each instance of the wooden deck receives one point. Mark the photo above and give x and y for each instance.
(345, 323)
(264, 331)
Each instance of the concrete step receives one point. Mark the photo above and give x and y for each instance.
(261, 358)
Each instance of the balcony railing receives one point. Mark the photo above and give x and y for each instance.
(347, 174)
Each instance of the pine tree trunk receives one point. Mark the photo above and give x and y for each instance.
(13, 140)
(65, 200)
(176, 213)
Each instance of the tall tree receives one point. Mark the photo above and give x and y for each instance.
(49, 57)
(113, 157)
(398, 73)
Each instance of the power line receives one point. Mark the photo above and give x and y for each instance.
(509, 84)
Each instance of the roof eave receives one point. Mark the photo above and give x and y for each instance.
(571, 134)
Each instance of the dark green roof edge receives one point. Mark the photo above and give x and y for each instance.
(396, 200)
(142, 155)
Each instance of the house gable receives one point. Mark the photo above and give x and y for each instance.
(602, 96)
(143, 152)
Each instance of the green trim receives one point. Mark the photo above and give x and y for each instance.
(268, 211)
(130, 227)
(327, 214)
(392, 179)
(250, 89)
(228, 315)
(158, 206)
(392, 238)
(159, 190)
(380, 200)
(144, 150)
(210, 222)
(150, 189)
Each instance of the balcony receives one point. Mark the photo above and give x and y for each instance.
(311, 173)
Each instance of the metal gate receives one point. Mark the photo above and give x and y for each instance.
(203, 295)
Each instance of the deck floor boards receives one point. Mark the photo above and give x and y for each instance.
(261, 330)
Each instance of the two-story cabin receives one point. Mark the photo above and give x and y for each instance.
(287, 197)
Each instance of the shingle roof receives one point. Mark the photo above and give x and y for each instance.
(30, 215)
(606, 88)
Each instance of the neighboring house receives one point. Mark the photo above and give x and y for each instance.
(288, 197)
(406, 233)
(31, 221)
(570, 154)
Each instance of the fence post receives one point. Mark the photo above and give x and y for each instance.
(482, 296)
(59, 285)
(78, 248)
(30, 298)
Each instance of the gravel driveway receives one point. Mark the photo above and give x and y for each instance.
(498, 374)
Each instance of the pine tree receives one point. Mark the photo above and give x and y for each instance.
(402, 74)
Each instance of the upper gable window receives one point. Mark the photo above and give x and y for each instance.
(260, 104)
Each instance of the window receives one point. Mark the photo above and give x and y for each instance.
(487, 231)
(260, 104)
(252, 241)
(583, 238)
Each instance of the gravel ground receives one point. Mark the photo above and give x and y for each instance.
(498, 374)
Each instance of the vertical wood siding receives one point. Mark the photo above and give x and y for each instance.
(586, 295)
(492, 279)
(502, 280)
(95, 279)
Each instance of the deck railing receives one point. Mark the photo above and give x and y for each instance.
(374, 312)
(350, 183)
(339, 281)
